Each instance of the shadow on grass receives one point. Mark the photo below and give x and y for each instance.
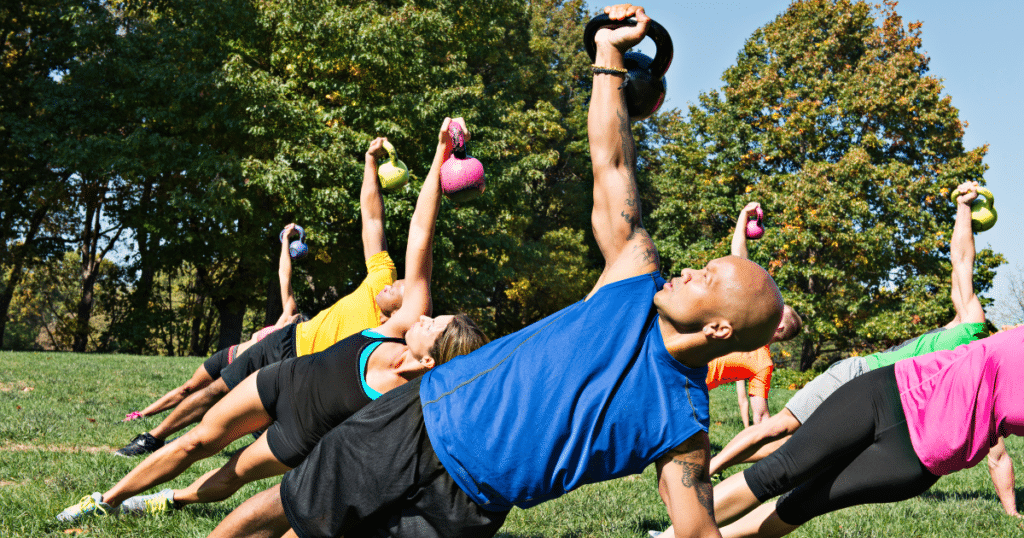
(644, 525)
(959, 496)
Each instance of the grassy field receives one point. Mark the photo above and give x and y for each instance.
(60, 419)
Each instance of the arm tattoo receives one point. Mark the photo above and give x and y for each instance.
(646, 251)
(632, 212)
(695, 475)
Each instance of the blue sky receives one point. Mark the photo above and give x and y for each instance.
(975, 47)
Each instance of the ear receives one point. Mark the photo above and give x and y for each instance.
(718, 330)
(427, 361)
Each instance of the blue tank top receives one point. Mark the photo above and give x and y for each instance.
(587, 394)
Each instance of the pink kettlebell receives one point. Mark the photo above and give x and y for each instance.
(755, 228)
(462, 177)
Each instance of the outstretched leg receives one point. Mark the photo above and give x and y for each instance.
(199, 380)
(262, 516)
(239, 413)
(256, 462)
(191, 410)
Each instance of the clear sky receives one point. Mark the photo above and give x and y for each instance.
(977, 48)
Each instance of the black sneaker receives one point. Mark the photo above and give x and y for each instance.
(144, 443)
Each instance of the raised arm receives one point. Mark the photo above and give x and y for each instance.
(371, 203)
(739, 235)
(961, 254)
(284, 276)
(419, 259)
(616, 217)
(685, 487)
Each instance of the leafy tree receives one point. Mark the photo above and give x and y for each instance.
(44, 310)
(1009, 307)
(829, 119)
(41, 38)
(322, 79)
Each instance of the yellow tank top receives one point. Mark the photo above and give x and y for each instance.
(352, 313)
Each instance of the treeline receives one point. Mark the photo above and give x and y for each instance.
(153, 150)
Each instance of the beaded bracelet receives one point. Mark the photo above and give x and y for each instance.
(598, 69)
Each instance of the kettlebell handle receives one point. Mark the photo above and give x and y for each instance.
(298, 229)
(657, 33)
(388, 147)
(990, 200)
(458, 139)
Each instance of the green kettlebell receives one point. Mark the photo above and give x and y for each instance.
(983, 214)
(393, 174)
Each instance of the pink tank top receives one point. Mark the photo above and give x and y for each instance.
(262, 333)
(959, 402)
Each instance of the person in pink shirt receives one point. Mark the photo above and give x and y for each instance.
(885, 436)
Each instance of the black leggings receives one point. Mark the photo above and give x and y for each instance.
(854, 449)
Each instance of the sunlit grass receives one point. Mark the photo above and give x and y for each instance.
(56, 437)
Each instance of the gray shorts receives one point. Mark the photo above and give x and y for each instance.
(807, 399)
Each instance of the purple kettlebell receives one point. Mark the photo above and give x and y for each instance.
(462, 177)
(755, 228)
(296, 249)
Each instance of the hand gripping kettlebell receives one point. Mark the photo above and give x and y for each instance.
(983, 212)
(462, 176)
(296, 249)
(645, 83)
(393, 173)
(755, 226)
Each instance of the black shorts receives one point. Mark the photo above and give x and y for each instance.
(276, 347)
(376, 475)
(854, 449)
(286, 436)
(217, 362)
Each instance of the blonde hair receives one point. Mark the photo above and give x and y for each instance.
(460, 337)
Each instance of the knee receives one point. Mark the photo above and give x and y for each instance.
(779, 425)
(194, 385)
(197, 444)
(214, 391)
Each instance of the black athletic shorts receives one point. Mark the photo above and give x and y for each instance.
(217, 362)
(854, 449)
(377, 475)
(276, 347)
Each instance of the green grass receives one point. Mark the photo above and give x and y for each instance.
(55, 443)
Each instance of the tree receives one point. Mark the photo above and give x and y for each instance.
(41, 39)
(830, 120)
(1008, 308)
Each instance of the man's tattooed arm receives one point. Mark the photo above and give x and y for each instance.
(685, 486)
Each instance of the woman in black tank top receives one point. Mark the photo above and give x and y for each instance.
(313, 393)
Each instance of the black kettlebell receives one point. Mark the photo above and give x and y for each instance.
(645, 85)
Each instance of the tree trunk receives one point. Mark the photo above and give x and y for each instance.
(273, 308)
(808, 354)
(135, 334)
(231, 313)
(89, 241)
(19, 255)
(94, 196)
(200, 285)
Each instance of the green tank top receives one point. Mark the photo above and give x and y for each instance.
(941, 340)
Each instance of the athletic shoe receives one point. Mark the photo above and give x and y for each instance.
(89, 505)
(156, 503)
(144, 443)
(654, 534)
(134, 415)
